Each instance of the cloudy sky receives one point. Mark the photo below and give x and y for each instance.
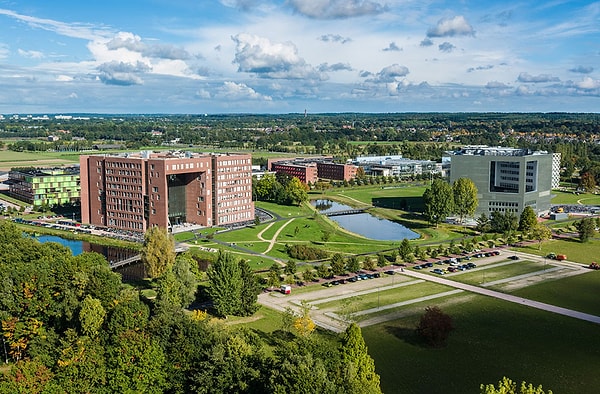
(282, 56)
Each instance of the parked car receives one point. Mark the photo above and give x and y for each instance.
(472, 265)
(438, 271)
(513, 257)
(390, 272)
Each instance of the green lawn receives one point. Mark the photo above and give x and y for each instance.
(484, 275)
(491, 339)
(570, 197)
(584, 253)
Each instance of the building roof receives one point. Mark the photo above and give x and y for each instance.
(484, 150)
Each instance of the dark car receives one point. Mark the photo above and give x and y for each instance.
(429, 265)
(513, 257)
(472, 265)
(390, 272)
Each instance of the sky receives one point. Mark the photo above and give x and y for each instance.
(291, 56)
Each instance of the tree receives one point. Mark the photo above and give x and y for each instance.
(303, 324)
(483, 223)
(353, 265)
(360, 370)
(225, 287)
(338, 264)
(435, 326)
(586, 228)
(250, 289)
(177, 286)
(587, 182)
(507, 386)
(527, 220)
(465, 198)
(290, 267)
(296, 192)
(540, 233)
(158, 252)
(438, 200)
(405, 249)
(503, 223)
(91, 316)
(381, 260)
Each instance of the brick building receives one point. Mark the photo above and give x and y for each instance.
(311, 169)
(136, 191)
(45, 186)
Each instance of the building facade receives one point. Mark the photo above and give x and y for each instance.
(50, 186)
(311, 169)
(507, 179)
(133, 192)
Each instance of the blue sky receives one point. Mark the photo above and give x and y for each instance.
(261, 56)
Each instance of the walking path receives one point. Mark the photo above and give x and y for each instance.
(274, 239)
(506, 297)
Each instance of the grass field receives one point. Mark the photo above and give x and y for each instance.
(572, 198)
(575, 250)
(497, 273)
(491, 339)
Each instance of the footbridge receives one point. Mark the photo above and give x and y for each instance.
(346, 212)
(138, 257)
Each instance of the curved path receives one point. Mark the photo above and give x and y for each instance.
(274, 239)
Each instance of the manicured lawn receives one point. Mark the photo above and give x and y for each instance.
(574, 198)
(576, 292)
(491, 339)
(584, 253)
(484, 275)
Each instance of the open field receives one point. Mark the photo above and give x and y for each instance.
(572, 198)
(492, 338)
(575, 250)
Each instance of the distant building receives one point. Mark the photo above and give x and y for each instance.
(396, 165)
(136, 191)
(507, 179)
(50, 186)
(311, 169)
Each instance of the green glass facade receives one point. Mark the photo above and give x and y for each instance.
(46, 186)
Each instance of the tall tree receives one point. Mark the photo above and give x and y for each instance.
(586, 228)
(465, 198)
(405, 249)
(296, 191)
(439, 201)
(158, 252)
(91, 316)
(587, 182)
(361, 376)
(225, 287)
(338, 264)
(250, 289)
(527, 220)
(435, 326)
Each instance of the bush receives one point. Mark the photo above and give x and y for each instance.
(305, 252)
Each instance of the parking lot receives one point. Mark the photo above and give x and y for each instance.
(349, 288)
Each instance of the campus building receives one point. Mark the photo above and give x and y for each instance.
(507, 179)
(396, 165)
(311, 169)
(49, 186)
(133, 192)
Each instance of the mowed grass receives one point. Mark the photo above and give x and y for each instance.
(584, 253)
(578, 292)
(492, 339)
(484, 275)
(573, 198)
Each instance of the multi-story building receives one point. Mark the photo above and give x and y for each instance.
(507, 179)
(136, 191)
(49, 186)
(311, 169)
(397, 165)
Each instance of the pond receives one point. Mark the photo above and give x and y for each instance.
(365, 224)
(130, 272)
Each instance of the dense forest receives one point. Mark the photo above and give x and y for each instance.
(70, 326)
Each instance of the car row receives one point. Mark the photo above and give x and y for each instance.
(352, 279)
(456, 268)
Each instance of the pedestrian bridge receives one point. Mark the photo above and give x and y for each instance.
(346, 212)
(138, 257)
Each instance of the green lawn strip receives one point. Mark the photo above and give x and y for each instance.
(572, 198)
(386, 296)
(285, 211)
(584, 253)
(485, 275)
(574, 292)
(492, 339)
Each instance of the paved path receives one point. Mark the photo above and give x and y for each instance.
(506, 297)
(274, 239)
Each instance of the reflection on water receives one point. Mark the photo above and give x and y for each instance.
(365, 224)
(129, 273)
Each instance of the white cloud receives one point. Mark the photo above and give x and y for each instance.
(588, 84)
(541, 78)
(392, 47)
(30, 54)
(119, 73)
(64, 78)
(446, 47)
(582, 69)
(450, 27)
(239, 91)
(336, 9)
(266, 59)
(334, 38)
(389, 74)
